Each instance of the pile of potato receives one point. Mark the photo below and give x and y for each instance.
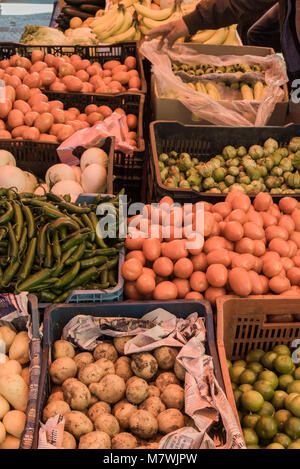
(14, 383)
(110, 400)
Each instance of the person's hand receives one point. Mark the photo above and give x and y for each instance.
(170, 31)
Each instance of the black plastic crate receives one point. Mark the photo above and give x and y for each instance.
(56, 317)
(100, 54)
(204, 142)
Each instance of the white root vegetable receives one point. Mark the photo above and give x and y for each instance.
(94, 178)
(31, 181)
(7, 158)
(68, 187)
(10, 176)
(93, 155)
(77, 172)
(42, 189)
(59, 172)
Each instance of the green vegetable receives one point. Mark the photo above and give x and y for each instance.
(229, 152)
(219, 174)
(184, 162)
(256, 152)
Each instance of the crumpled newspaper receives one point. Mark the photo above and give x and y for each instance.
(205, 401)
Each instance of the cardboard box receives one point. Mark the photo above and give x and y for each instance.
(174, 110)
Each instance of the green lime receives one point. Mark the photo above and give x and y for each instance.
(240, 363)
(237, 397)
(250, 436)
(250, 420)
(282, 439)
(266, 427)
(283, 364)
(281, 416)
(294, 387)
(248, 377)
(266, 410)
(282, 350)
(254, 355)
(269, 376)
(235, 373)
(294, 406)
(245, 387)
(278, 399)
(229, 364)
(292, 427)
(274, 446)
(284, 381)
(255, 366)
(268, 359)
(294, 445)
(253, 447)
(297, 373)
(265, 388)
(252, 400)
(289, 399)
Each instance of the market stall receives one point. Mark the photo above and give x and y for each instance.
(149, 235)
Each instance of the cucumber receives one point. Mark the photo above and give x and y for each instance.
(88, 8)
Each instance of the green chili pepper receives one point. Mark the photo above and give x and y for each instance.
(19, 220)
(42, 243)
(69, 276)
(67, 197)
(98, 238)
(29, 220)
(4, 219)
(77, 220)
(59, 268)
(13, 245)
(23, 242)
(47, 297)
(112, 263)
(100, 252)
(49, 258)
(10, 272)
(87, 222)
(62, 298)
(34, 280)
(104, 276)
(80, 250)
(72, 208)
(112, 278)
(94, 261)
(3, 233)
(51, 212)
(63, 221)
(29, 260)
(84, 277)
(74, 241)
(56, 246)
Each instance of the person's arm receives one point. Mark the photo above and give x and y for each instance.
(297, 19)
(215, 14)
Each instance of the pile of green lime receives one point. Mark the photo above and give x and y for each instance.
(266, 388)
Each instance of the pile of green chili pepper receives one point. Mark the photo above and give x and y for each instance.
(50, 246)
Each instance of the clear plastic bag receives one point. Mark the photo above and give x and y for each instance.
(230, 111)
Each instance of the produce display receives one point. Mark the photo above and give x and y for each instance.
(266, 389)
(205, 69)
(50, 246)
(110, 400)
(247, 249)
(14, 383)
(227, 36)
(49, 72)
(270, 167)
(76, 13)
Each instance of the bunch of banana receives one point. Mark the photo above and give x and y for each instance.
(151, 19)
(188, 7)
(206, 88)
(116, 25)
(227, 36)
(204, 69)
(254, 92)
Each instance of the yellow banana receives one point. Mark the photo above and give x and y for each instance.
(144, 30)
(158, 15)
(203, 36)
(213, 91)
(115, 27)
(152, 24)
(200, 87)
(138, 35)
(131, 10)
(219, 37)
(128, 20)
(258, 91)
(99, 20)
(126, 36)
(127, 3)
(229, 41)
(247, 92)
(192, 85)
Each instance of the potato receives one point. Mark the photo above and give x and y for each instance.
(107, 423)
(110, 389)
(95, 440)
(123, 368)
(98, 409)
(143, 424)
(54, 408)
(123, 414)
(7, 335)
(124, 441)
(63, 348)
(144, 365)
(78, 424)
(107, 366)
(10, 442)
(170, 420)
(179, 370)
(165, 357)
(137, 390)
(69, 441)
(11, 367)
(164, 379)
(56, 388)
(2, 433)
(4, 407)
(118, 405)
(173, 396)
(106, 350)
(14, 422)
(76, 394)
(91, 373)
(13, 388)
(153, 391)
(119, 343)
(83, 359)
(153, 405)
(93, 400)
(26, 375)
(62, 369)
(56, 396)
(19, 349)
